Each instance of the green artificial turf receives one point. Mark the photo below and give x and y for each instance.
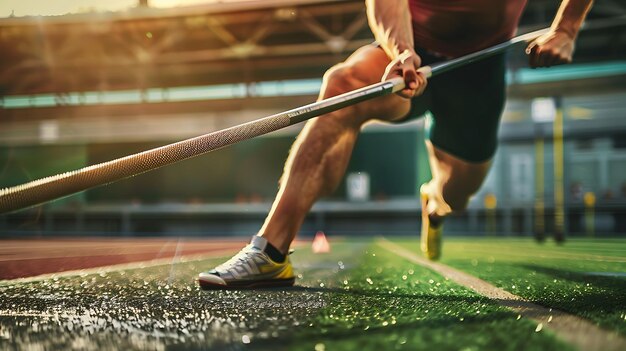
(583, 277)
(388, 303)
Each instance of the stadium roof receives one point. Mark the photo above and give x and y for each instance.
(213, 43)
(139, 12)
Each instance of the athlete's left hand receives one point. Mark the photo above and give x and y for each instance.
(553, 48)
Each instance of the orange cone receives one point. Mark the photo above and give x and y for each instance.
(320, 243)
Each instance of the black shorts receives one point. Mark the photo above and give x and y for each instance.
(465, 104)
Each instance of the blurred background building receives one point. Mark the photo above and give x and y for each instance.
(81, 88)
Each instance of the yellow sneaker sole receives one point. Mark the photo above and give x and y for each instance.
(430, 237)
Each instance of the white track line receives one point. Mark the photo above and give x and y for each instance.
(577, 331)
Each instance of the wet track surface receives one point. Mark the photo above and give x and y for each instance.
(361, 296)
(27, 258)
(161, 308)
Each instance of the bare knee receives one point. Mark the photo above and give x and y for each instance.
(365, 68)
(347, 77)
(342, 78)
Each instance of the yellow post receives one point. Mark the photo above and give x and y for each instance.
(590, 202)
(559, 198)
(539, 189)
(490, 205)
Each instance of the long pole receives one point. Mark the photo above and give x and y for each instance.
(65, 184)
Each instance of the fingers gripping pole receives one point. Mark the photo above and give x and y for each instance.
(436, 69)
(61, 185)
(398, 82)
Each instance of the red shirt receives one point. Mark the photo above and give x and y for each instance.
(457, 27)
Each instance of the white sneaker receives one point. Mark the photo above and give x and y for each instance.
(250, 268)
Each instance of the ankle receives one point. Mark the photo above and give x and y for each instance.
(274, 253)
(279, 242)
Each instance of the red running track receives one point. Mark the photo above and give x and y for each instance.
(32, 257)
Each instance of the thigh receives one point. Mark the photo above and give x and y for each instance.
(466, 105)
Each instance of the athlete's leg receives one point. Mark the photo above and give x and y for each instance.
(319, 156)
(466, 105)
(453, 181)
(315, 166)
